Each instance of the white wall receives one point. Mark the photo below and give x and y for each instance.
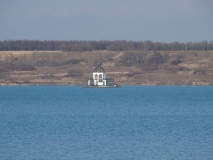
(99, 78)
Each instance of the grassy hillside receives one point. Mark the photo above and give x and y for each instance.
(128, 68)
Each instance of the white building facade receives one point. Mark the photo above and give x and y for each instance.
(99, 77)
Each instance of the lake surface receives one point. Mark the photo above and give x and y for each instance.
(66, 122)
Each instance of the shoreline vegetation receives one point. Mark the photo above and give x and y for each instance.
(118, 45)
(129, 67)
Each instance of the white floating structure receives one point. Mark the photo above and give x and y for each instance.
(99, 78)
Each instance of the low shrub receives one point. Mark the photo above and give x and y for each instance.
(176, 62)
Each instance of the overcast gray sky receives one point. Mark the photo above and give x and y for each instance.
(155, 20)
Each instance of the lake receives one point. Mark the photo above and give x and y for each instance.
(131, 122)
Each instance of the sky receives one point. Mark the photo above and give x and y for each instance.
(135, 20)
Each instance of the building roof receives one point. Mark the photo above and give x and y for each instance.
(99, 68)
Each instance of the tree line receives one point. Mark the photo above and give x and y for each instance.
(140, 58)
(119, 45)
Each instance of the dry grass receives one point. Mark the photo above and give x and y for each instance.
(179, 68)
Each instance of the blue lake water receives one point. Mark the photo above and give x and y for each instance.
(66, 122)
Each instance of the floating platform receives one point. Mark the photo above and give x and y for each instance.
(101, 86)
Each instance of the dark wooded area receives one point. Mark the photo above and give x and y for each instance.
(119, 45)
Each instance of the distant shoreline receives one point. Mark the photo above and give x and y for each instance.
(2, 85)
(131, 68)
